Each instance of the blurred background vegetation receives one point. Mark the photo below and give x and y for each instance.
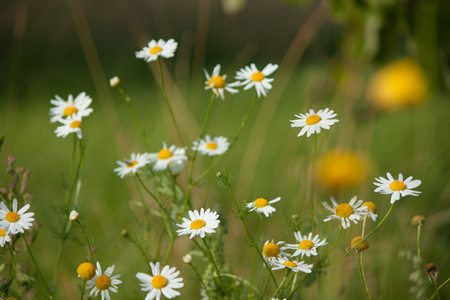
(328, 53)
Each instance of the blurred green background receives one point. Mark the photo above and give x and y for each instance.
(327, 54)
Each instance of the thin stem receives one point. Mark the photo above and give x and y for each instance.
(38, 270)
(281, 284)
(362, 275)
(293, 282)
(213, 261)
(438, 288)
(82, 289)
(199, 277)
(419, 227)
(169, 250)
(87, 240)
(254, 261)
(312, 183)
(364, 226)
(167, 102)
(143, 253)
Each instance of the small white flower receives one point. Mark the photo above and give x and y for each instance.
(312, 122)
(71, 124)
(271, 250)
(73, 215)
(346, 212)
(164, 282)
(199, 223)
(254, 78)
(127, 166)
(398, 188)
(307, 245)
(187, 259)
(4, 238)
(165, 156)
(212, 146)
(261, 205)
(78, 106)
(103, 282)
(283, 263)
(15, 221)
(155, 48)
(218, 84)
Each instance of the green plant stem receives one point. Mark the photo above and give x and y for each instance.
(213, 261)
(362, 275)
(167, 102)
(244, 121)
(294, 281)
(170, 248)
(281, 284)
(143, 253)
(312, 183)
(82, 289)
(254, 261)
(26, 277)
(419, 227)
(38, 270)
(235, 277)
(87, 240)
(208, 185)
(364, 226)
(438, 288)
(199, 278)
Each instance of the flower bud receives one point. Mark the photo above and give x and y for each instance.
(114, 82)
(73, 215)
(187, 259)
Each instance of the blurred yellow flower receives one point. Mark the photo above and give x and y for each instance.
(341, 169)
(399, 85)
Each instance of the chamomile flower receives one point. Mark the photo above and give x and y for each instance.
(254, 78)
(271, 250)
(346, 212)
(212, 146)
(132, 165)
(155, 49)
(283, 263)
(15, 221)
(261, 205)
(199, 223)
(165, 156)
(307, 245)
(103, 282)
(4, 238)
(218, 84)
(398, 188)
(164, 282)
(313, 122)
(63, 108)
(371, 209)
(71, 124)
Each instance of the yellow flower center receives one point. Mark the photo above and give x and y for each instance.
(155, 50)
(397, 186)
(370, 206)
(257, 76)
(159, 282)
(103, 282)
(75, 124)
(164, 154)
(344, 210)
(313, 119)
(2, 232)
(290, 264)
(12, 217)
(197, 224)
(211, 146)
(306, 245)
(271, 250)
(219, 82)
(70, 110)
(131, 164)
(86, 270)
(261, 202)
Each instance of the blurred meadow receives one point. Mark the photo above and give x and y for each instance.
(329, 54)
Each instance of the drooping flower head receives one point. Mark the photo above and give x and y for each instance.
(273, 250)
(307, 245)
(398, 188)
(262, 205)
(161, 283)
(218, 84)
(313, 122)
(103, 282)
(199, 223)
(155, 49)
(165, 156)
(346, 212)
(371, 209)
(211, 146)
(132, 165)
(63, 109)
(252, 77)
(293, 265)
(4, 238)
(15, 221)
(71, 124)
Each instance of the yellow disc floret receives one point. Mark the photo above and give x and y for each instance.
(2, 232)
(103, 282)
(131, 164)
(197, 224)
(271, 250)
(370, 206)
(313, 119)
(290, 264)
(164, 154)
(344, 210)
(257, 76)
(155, 50)
(75, 124)
(217, 82)
(70, 110)
(397, 186)
(159, 282)
(306, 244)
(86, 270)
(12, 217)
(361, 246)
(211, 146)
(261, 202)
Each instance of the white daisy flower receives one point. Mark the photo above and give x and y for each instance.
(283, 263)
(155, 48)
(199, 223)
(127, 166)
(307, 245)
(103, 282)
(63, 108)
(15, 221)
(212, 146)
(371, 209)
(164, 282)
(261, 205)
(398, 188)
(217, 83)
(165, 156)
(4, 238)
(71, 124)
(254, 78)
(312, 122)
(271, 250)
(346, 212)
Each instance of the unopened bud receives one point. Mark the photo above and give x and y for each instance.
(73, 215)
(187, 259)
(114, 82)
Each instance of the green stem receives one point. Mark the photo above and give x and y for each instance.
(438, 288)
(281, 284)
(82, 289)
(362, 275)
(312, 183)
(213, 261)
(143, 253)
(169, 250)
(38, 270)
(167, 102)
(199, 278)
(87, 240)
(254, 261)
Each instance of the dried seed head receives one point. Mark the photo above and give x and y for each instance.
(418, 220)
(362, 246)
(432, 271)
